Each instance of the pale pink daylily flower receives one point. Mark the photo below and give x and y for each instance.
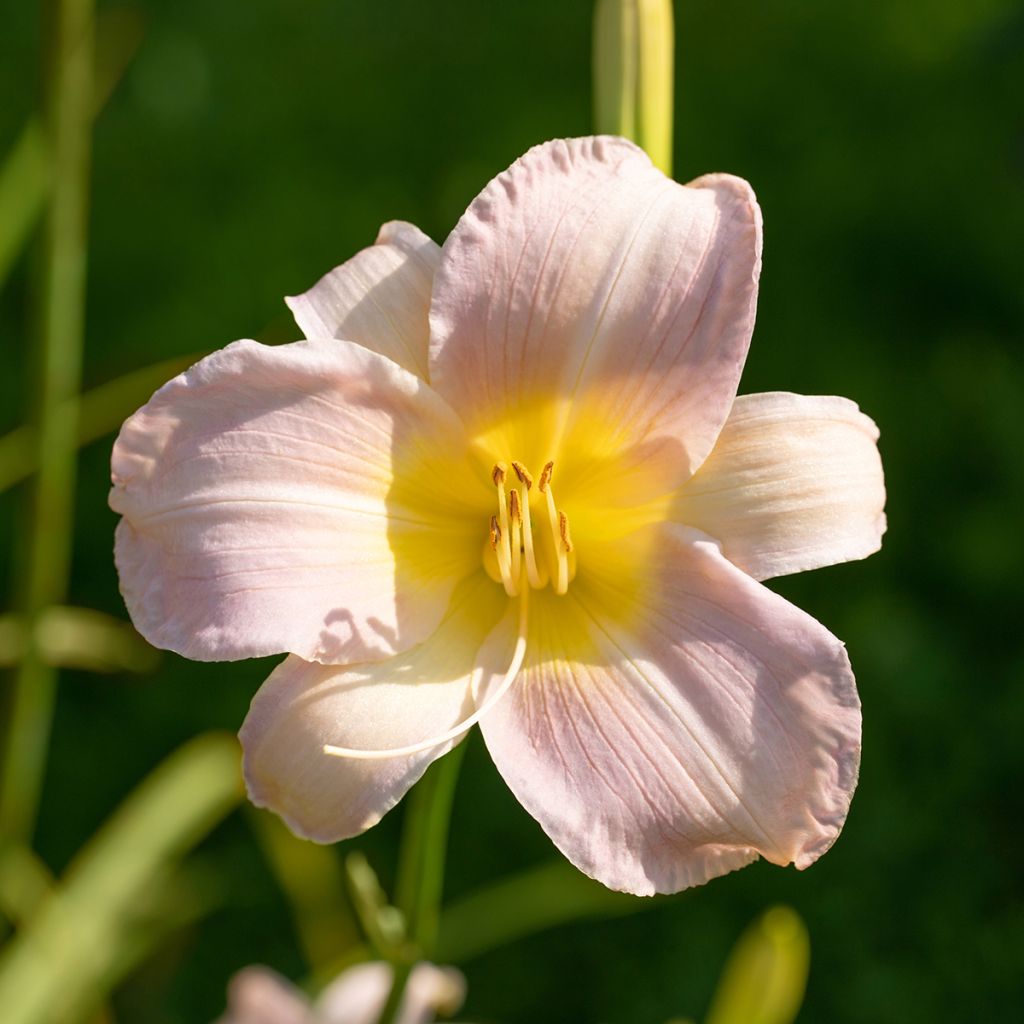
(258, 995)
(510, 479)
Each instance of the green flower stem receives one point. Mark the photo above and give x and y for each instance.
(420, 883)
(400, 978)
(48, 546)
(634, 42)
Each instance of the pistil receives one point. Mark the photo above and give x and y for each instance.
(511, 534)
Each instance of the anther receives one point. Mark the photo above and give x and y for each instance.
(513, 507)
(498, 473)
(523, 474)
(495, 533)
(545, 477)
(563, 529)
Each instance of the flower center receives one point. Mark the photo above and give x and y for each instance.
(528, 546)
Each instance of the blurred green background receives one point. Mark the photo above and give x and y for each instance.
(253, 145)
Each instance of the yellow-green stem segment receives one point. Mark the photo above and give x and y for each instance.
(61, 320)
(634, 44)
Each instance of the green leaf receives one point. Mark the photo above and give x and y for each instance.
(527, 903)
(78, 638)
(100, 412)
(59, 967)
(24, 186)
(25, 881)
(25, 177)
(765, 977)
(311, 878)
(382, 924)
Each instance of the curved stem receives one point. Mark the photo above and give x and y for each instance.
(48, 548)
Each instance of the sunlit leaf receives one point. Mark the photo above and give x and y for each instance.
(25, 174)
(765, 977)
(100, 411)
(63, 962)
(382, 923)
(311, 878)
(513, 908)
(24, 883)
(79, 638)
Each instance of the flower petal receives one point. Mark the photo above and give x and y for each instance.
(671, 730)
(793, 483)
(290, 499)
(358, 995)
(373, 706)
(585, 302)
(258, 995)
(380, 298)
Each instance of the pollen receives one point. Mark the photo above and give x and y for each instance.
(520, 554)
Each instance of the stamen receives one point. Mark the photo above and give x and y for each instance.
(516, 538)
(563, 530)
(506, 559)
(522, 473)
(518, 654)
(533, 573)
(561, 575)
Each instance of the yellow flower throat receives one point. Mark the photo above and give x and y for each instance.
(528, 547)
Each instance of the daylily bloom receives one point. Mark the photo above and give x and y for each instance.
(257, 995)
(509, 480)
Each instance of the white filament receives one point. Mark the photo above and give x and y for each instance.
(467, 723)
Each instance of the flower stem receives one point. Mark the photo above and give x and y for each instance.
(634, 42)
(48, 547)
(399, 979)
(420, 883)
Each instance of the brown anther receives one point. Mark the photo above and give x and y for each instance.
(513, 507)
(545, 476)
(563, 529)
(498, 473)
(523, 474)
(495, 533)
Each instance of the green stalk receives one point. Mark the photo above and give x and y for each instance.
(48, 547)
(420, 883)
(400, 978)
(634, 42)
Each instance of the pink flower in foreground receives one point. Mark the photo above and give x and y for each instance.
(257, 995)
(522, 490)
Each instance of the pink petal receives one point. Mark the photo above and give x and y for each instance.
(374, 706)
(258, 995)
(670, 729)
(380, 298)
(358, 995)
(290, 499)
(584, 293)
(793, 483)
